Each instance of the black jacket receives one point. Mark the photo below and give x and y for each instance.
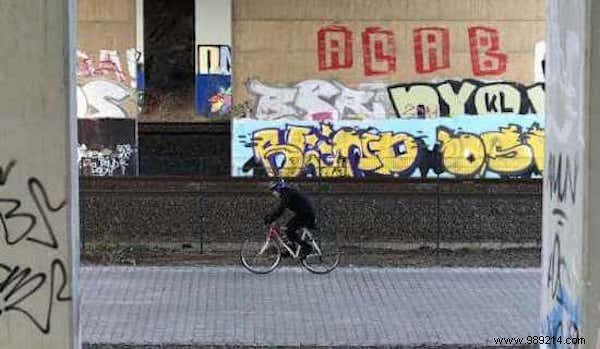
(295, 202)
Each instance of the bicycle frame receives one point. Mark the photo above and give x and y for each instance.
(274, 233)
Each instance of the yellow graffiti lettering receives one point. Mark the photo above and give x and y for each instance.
(349, 152)
(462, 154)
(535, 139)
(264, 138)
(283, 161)
(369, 161)
(505, 153)
(347, 144)
(397, 152)
(301, 136)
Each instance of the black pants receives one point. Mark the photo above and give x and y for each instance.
(295, 224)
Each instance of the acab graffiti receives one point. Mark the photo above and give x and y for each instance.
(322, 100)
(321, 150)
(431, 46)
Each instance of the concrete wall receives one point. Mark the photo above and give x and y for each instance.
(38, 177)
(567, 179)
(287, 42)
(591, 251)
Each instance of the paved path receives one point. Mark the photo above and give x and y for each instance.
(362, 306)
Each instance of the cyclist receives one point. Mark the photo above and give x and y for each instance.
(304, 217)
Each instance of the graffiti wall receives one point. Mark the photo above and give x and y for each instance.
(285, 42)
(319, 100)
(410, 90)
(507, 146)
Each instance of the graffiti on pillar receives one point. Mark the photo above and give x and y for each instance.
(213, 80)
(108, 66)
(104, 88)
(464, 147)
(102, 99)
(563, 318)
(432, 49)
(486, 55)
(28, 291)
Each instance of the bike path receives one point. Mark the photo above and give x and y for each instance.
(218, 307)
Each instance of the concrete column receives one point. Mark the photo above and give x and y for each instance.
(571, 225)
(38, 181)
(213, 57)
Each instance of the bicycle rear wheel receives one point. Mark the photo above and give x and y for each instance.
(324, 258)
(259, 255)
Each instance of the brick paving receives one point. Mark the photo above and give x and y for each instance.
(195, 307)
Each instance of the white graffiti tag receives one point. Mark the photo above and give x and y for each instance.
(105, 162)
(101, 98)
(319, 100)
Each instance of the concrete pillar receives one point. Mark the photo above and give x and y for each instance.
(38, 180)
(213, 57)
(571, 224)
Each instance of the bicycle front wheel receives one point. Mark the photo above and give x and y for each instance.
(260, 255)
(324, 258)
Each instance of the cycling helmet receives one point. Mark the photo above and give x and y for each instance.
(278, 185)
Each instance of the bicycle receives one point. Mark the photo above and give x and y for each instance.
(270, 247)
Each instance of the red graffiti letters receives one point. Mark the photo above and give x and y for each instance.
(335, 48)
(486, 57)
(379, 51)
(432, 49)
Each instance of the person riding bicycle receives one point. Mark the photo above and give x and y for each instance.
(304, 217)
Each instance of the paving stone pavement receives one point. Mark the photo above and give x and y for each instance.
(203, 306)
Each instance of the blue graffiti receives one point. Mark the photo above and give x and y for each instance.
(563, 320)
